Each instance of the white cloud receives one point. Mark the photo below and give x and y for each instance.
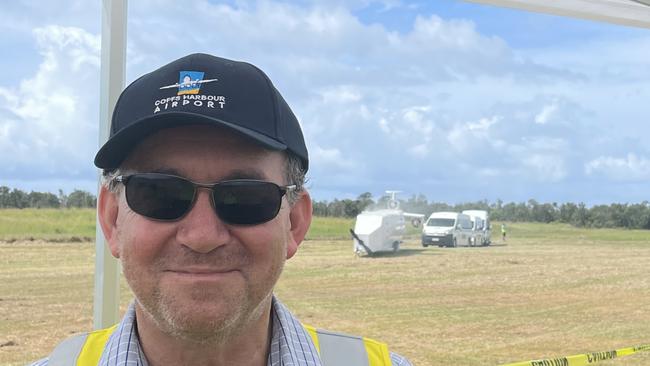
(489, 172)
(419, 151)
(331, 157)
(417, 121)
(383, 125)
(629, 168)
(547, 112)
(49, 120)
(545, 144)
(466, 137)
(456, 138)
(341, 94)
(483, 125)
(546, 168)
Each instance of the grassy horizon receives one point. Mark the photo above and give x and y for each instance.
(78, 224)
(47, 224)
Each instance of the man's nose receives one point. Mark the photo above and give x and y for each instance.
(201, 229)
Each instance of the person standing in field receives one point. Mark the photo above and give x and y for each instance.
(202, 200)
(503, 232)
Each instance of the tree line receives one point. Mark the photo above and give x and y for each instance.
(623, 215)
(16, 198)
(631, 216)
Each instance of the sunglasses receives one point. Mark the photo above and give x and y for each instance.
(168, 197)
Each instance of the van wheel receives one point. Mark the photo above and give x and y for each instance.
(425, 244)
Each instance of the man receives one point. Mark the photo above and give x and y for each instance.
(203, 201)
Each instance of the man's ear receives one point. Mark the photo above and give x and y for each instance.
(108, 206)
(300, 218)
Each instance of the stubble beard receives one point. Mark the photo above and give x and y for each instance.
(178, 322)
(176, 316)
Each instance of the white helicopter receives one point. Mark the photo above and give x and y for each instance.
(382, 230)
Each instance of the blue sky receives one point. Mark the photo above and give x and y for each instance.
(454, 100)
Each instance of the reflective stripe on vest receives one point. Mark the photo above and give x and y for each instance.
(335, 349)
(65, 353)
(81, 350)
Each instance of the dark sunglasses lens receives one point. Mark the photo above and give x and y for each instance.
(159, 196)
(247, 203)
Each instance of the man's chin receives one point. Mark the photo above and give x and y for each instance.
(203, 330)
(200, 320)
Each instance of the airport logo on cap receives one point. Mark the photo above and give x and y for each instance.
(189, 86)
(189, 82)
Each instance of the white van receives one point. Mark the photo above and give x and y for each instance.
(477, 230)
(482, 232)
(449, 229)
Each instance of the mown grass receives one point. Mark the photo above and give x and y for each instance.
(553, 232)
(330, 228)
(47, 224)
(550, 290)
(79, 225)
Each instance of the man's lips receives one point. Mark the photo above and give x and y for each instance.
(201, 272)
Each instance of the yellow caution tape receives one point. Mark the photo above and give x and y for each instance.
(583, 359)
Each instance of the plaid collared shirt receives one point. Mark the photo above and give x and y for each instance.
(291, 345)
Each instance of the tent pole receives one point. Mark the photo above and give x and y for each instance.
(113, 60)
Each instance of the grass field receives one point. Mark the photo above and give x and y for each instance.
(68, 225)
(550, 290)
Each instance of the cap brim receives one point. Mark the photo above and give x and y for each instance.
(118, 147)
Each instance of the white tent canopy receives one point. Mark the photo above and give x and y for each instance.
(634, 13)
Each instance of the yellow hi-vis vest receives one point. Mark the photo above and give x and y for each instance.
(334, 349)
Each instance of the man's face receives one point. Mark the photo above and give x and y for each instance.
(198, 276)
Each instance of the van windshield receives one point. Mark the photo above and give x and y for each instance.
(440, 222)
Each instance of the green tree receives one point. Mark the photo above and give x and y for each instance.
(42, 200)
(365, 200)
(80, 199)
(18, 199)
(4, 196)
(581, 216)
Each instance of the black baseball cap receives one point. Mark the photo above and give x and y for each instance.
(206, 90)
